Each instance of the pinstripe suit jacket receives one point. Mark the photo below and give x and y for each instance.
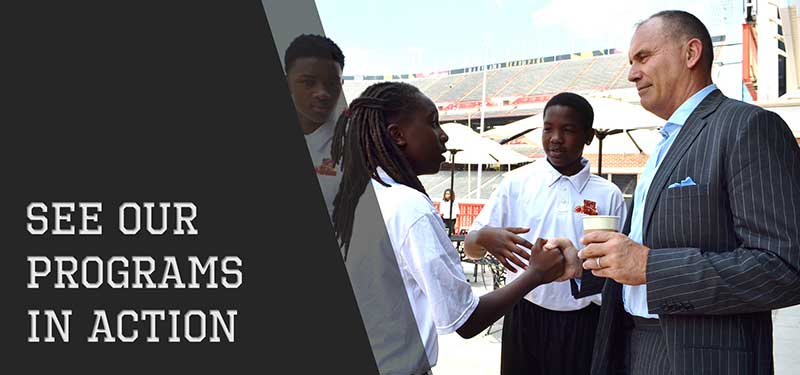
(725, 252)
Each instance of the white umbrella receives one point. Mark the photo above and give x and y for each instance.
(476, 149)
(632, 141)
(514, 129)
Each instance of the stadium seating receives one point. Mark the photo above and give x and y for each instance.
(441, 86)
(528, 79)
(533, 80)
(352, 89)
(562, 77)
(469, 83)
(621, 81)
(494, 83)
(601, 74)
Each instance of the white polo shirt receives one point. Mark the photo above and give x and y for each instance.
(441, 299)
(319, 147)
(545, 201)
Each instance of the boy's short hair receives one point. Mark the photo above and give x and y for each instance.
(310, 45)
(578, 103)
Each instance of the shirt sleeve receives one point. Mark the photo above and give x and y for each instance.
(456, 210)
(495, 212)
(434, 264)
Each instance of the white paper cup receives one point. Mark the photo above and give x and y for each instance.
(594, 223)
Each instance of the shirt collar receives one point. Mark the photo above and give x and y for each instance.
(682, 113)
(578, 180)
(321, 137)
(385, 177)
(391, 182)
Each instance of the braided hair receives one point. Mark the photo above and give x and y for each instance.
(362, 143)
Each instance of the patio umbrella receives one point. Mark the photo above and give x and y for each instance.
(619, 141)
(626, 141)
(510, 131)
(476, 149)
(465, 146)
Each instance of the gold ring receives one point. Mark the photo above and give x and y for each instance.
(598, 262)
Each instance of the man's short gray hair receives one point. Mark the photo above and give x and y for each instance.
(682, 26)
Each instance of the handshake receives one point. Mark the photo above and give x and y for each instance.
(543, 261)
(607, 254)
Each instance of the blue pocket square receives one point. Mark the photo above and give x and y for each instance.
(686, 182)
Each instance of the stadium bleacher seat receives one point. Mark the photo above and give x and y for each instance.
(510, 86)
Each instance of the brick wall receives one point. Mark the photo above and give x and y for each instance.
(619, 160)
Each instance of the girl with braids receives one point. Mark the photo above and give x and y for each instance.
(388, 137)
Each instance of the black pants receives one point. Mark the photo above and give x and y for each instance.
(546, 342)
(450, 223)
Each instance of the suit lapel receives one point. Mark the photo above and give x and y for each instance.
(690, 130)
(626, 228)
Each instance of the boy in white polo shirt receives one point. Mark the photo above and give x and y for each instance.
(314, 66)
(549, 331)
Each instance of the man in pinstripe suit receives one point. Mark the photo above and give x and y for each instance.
(713, 240)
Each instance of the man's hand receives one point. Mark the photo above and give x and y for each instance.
(546, 265)
(573, 268)
(504, 244)
(614, 255)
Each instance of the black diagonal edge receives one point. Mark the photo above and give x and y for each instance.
(167, 101)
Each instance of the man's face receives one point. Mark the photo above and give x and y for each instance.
(657, 69)
(315, 85)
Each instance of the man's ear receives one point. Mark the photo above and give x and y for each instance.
(589, 137)
(397, 134)
(694, 52)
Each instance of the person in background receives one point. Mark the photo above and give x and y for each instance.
(313, 65)
(449, 203)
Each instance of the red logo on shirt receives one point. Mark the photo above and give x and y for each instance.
(326, 168)
(588, 208)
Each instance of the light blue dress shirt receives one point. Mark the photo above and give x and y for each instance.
(635, 297)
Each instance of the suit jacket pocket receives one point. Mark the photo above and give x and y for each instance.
(708, 360)
(681, 218)
(700, 190)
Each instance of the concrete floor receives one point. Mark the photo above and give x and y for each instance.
(481, 355)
